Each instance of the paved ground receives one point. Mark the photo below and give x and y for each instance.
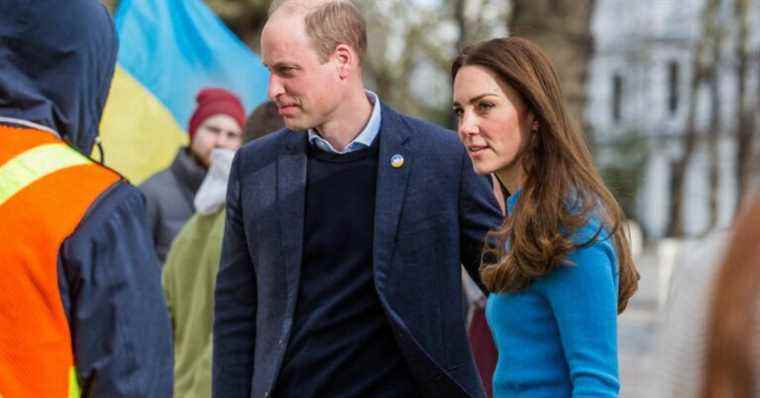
(637, 335)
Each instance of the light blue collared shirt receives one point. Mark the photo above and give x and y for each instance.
(363, 140)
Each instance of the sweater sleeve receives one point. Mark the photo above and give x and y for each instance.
(583, 298)
(152, 212)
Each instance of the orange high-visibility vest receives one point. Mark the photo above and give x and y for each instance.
(46, 188)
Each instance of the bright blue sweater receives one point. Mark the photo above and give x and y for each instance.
(558, 337)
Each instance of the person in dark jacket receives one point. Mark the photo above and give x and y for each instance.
(217, 122)
(81, 308)
(340, 273)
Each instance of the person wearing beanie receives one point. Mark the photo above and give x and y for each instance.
(189, 275)
(217, 122)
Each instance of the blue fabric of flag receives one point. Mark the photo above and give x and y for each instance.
(176, 47)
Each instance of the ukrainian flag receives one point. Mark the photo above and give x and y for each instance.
(169, 50)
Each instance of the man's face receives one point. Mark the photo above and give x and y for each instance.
(218, 131)
(306, 91)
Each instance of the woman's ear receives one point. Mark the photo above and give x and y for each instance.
(534, 124)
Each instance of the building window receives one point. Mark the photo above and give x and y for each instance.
(617, 97)
(673, 72)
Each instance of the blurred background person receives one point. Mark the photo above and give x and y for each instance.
(80, 299)
(563, 263)
(193, 261)
(263, 120)
(683, 335)
(708, 343)
(731, 361)
(217, 122)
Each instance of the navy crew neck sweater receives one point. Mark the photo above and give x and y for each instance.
(341, 343)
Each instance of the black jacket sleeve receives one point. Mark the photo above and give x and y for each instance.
(235, 304)
(110, 284)
(478, 213)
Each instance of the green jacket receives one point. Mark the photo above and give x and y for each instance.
(189, 277)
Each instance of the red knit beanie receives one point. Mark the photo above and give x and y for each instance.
(215, 101)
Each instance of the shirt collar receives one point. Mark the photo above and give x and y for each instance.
(363, 140)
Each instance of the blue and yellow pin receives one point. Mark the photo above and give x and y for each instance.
(397, 161)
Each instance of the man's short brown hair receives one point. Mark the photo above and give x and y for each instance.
(330, 23)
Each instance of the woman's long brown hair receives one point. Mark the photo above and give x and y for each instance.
(562, 188)
(729, 358)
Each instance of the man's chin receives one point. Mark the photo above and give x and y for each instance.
(296, 125)
(203, 162)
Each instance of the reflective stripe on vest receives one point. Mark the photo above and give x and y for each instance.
(74, 384)
(34, 164)
(46, 188)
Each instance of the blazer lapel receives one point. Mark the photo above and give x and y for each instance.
(291, 192)
(391, 189)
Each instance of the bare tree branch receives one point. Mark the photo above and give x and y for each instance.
(690, 135)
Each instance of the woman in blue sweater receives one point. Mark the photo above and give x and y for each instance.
(560, 269)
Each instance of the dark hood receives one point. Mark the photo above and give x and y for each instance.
(57, 59)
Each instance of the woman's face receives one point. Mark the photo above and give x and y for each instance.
(492, 121)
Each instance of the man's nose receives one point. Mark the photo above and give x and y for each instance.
(275, 87)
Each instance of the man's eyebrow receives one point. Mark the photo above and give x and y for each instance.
(283, 64)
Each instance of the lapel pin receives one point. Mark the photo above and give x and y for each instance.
(397, 161)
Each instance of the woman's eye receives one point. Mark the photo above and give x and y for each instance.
(484, 106)
(458, 112)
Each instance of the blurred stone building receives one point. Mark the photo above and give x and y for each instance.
(638, 99)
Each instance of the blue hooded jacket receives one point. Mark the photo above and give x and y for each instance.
(57, 59)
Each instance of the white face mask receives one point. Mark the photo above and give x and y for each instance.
(213, 191)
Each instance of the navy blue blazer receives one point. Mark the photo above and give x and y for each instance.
(431, 214)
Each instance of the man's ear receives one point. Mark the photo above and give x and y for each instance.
(346, 60)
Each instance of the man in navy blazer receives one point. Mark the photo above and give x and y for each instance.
(340, 270)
